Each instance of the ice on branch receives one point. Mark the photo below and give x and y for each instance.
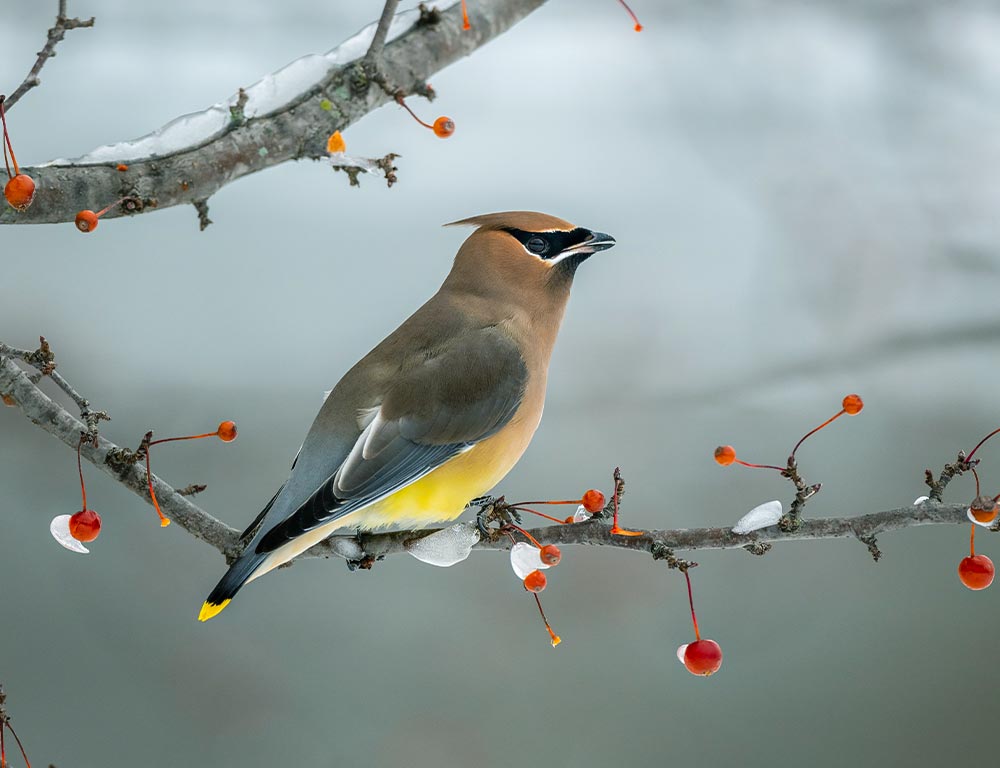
(343, 160)
(446, 547)
(269, 94)
(765, 515)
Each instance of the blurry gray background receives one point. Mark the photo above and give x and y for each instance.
(805, 197)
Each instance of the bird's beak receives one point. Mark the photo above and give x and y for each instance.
(598, 241)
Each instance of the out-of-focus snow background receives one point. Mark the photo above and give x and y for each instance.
(805, 197)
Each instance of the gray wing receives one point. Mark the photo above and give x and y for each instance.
(430, 413)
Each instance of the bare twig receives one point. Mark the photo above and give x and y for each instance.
(297, 130)
(56, 34)
(53, 418)
(381, 32)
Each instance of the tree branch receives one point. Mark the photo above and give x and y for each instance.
(244, 144)
(55, 36)
(381, 31)
(53, 418)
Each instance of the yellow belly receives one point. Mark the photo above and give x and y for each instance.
(439, 496)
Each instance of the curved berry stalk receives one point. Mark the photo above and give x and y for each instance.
(528, 562)
(73, 531)
(702, 657)
(592, 501)
(6, 726)
(443, 127)
(226, 433)
(20, 188)
(635, 19)
(465, 17)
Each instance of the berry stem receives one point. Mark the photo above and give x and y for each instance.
(404, 105)
(20, 746)
(694, 619)
(638, 26)
(758, 466)
(540, 514)
(7, 144)
(980, 444)
(814, 431)
(976, 475)
(972, 541)
(563, 501)
(186, 437)
(109, 207)
(524, 533)
(465, 17)
(553, 637)
(614, 521)
(164, 521)
(79, 468)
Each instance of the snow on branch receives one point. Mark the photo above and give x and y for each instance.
(287, 115)
(20, 389)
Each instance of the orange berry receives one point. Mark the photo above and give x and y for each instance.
(984, 509)
(335, 143)
(85, 525)
(550, 554)
(444, 127)
(535, 581)
(593, 501)
(8, 400)
(725, 455)
(703, 657)
(852, 405)
(227, 431)
(976, 572)
(86, 221)
(121, 167)
(20, 191)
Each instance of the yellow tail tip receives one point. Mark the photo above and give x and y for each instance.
(210, 610)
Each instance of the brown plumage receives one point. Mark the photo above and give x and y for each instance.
(442, 409)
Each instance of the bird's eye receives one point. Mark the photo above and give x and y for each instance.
(537, 245)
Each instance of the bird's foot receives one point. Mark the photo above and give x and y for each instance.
(494, 510)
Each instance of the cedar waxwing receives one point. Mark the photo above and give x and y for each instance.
(441, 410)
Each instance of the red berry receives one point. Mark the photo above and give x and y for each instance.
(593, 501)
(725, 455)
(852, 405)
(984, 509)
(20, 191)
(535, 581)
(86, 221)
(444, 127)
(85, 525)
(976, 572)
(703, 657)
(121, 167)
(227, 431)
(550, 554)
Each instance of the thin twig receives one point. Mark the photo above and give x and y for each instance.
(55, 36)
(381, 32)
